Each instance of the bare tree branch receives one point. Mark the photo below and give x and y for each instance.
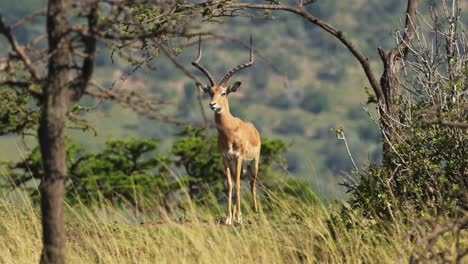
(447, 123)
(89, 41)
(363, 60)
(6, 31)
(138, 103)
(40, 12)
(189, 74)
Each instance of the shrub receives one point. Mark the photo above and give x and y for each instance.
(336, 159)
(127, 171)
(283, 100)
(430, 177)
(123, 171)
(315, 101)
(368, 130)
(198, 154)
(357, 113)
(15, 114)
(291, 125)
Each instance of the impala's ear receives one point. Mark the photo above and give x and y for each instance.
(233, 87)
(203, 87)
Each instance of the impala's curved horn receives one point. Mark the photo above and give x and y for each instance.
(201, 68)
(239, 67)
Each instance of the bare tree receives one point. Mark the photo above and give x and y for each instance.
(436, 76)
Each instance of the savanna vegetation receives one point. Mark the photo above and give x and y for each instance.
(109, 149)
(288, 229)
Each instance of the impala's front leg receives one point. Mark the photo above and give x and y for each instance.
(238, 194)
(227, 172)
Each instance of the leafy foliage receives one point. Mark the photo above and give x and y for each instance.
(426, 172)
(15, 114)
(123, 171)
(128, 170)
(315, 101)
(291, 125)
(425, 168)
(198, 154)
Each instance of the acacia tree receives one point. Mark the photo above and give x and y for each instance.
(58, 74)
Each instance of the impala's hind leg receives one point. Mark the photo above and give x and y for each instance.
(253, 181)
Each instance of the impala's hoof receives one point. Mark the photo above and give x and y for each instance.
(229, 220)
(239, 220)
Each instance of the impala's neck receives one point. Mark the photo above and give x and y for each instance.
(224, 119)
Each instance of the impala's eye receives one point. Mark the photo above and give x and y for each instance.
(223, 93)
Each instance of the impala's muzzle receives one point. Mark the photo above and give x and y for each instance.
(213, 105)
(216, 108)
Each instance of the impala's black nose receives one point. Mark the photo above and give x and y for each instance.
(212, 104)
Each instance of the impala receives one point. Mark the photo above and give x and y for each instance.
(238, 141)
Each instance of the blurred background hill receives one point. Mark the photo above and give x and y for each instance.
(303, 84)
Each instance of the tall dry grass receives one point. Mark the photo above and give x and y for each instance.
(288, 230)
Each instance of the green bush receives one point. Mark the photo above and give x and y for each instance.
(197, 153)
(16, 116)
(291, 125)
(336, 158)
(127, 171)
(357, 113)
(368, 130)
(121, 173)
(430, 176)
(282, 100)
(315, 101)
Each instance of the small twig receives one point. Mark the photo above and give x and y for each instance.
(6, 31)
(25, 19)
(340, 135)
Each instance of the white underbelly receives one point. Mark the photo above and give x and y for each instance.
(232, 155)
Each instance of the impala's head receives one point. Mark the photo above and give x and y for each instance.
(219, 93)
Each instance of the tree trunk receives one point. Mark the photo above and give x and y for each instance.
(389, 110)
(390, 84)
(57, 99)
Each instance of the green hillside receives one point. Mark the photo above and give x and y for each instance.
(303, 84)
